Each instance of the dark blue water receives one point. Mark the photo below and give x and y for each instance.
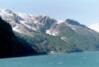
(88, 59)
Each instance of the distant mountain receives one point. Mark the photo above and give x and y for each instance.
(10, 46)
(47, 35)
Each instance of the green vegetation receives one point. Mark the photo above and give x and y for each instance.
(68, 40)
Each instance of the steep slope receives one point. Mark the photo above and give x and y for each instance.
(47, 35)
(79, 36)
(24, 23)
(10, 46)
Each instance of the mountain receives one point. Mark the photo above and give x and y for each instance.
(47, 35)
(10, 46)
(25, 22)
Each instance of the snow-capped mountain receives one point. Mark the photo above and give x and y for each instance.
(26, 23)
(22, 22)
(48, 34)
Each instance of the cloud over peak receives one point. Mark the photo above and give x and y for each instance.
(94, 26)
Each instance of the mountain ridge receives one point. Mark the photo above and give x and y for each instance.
(47, 35)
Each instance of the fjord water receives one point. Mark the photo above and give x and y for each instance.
(87, 59)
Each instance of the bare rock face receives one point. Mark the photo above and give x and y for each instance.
(10, 46)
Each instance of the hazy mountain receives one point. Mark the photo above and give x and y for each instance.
(47, 35)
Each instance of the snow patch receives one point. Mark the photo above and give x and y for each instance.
(63, 38)
(73, 27)
(16, 28)
(60, 21)
(29, 27)
(52, 32)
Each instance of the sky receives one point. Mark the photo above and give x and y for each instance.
(84, 11)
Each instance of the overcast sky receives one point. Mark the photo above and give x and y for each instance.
(84, 11)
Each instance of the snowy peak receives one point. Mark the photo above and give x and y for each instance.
(22, 22)
(26, 23)
(6, 11)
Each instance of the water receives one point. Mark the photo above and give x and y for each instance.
(88, 59)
